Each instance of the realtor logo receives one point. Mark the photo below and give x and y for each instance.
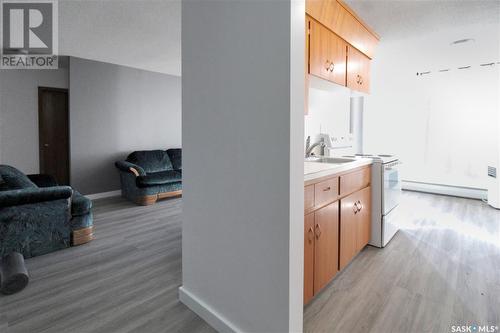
(29, 38)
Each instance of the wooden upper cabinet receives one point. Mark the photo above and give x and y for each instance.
(319, 50)
(308, 257)
(358, 70)
(338, 53)
(342, 20)
(326, 245)
(327, 54)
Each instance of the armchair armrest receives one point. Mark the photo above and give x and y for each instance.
(130, 167)
(34, 195)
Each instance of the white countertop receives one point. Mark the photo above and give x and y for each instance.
(313, 170)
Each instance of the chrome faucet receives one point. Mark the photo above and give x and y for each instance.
(310, 147)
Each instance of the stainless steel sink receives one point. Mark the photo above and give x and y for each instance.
(331, 160)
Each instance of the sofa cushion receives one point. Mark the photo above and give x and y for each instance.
(151, 160)
(80, 205)
(176, 157)
(159, 178)
(15, 179)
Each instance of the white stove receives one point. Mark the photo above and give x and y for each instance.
(383, 158)
(386, 195)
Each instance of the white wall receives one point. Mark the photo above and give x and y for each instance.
(114, 111)
(442, 125)
(19, 114)
(329, 112)
(242, 118)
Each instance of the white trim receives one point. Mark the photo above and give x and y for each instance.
(103, 195)
(456, 191)
(212, 317)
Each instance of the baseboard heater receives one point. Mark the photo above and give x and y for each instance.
(455, 191)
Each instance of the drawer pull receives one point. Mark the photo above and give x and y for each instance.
(318, 231)
(357, 207)
(310, 235)
(327, 189)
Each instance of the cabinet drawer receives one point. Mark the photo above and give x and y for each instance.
(308, 198)
(355, 181)
(325, 192)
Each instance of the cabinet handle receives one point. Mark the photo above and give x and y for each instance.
(327, 65)
(360, 206)
(355, 208)
(318, 231)
(310, 234)
(327, 189)
(360, 80)
(332, 67)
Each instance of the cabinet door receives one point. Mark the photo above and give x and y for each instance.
(308, 198)
(338, 54)
(306, 72)
(364, 218)
(348, 229)
(319, 51)
(358, 70)
(308, 257)
(336, 17)
(326, 245)
(327, 54)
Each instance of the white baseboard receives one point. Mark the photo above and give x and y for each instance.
(103, 195)
(455, 191)
(214, 319)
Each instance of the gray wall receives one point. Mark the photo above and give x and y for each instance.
(243, 101)
(114, 111)
(19, 114)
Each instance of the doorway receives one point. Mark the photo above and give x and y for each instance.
(53, 133)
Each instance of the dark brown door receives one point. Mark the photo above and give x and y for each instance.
(53, 123)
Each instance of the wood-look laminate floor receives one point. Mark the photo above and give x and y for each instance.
(124, 281)
(441, 269)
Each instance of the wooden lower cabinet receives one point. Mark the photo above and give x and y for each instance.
(364, 216)
(308, 257)
(337, 225)
(326, 245)
(355, 224)
(321, 249)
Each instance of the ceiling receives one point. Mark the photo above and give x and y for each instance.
(144, 34)
(404, 18)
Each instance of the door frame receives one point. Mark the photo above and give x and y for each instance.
(42, 89)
